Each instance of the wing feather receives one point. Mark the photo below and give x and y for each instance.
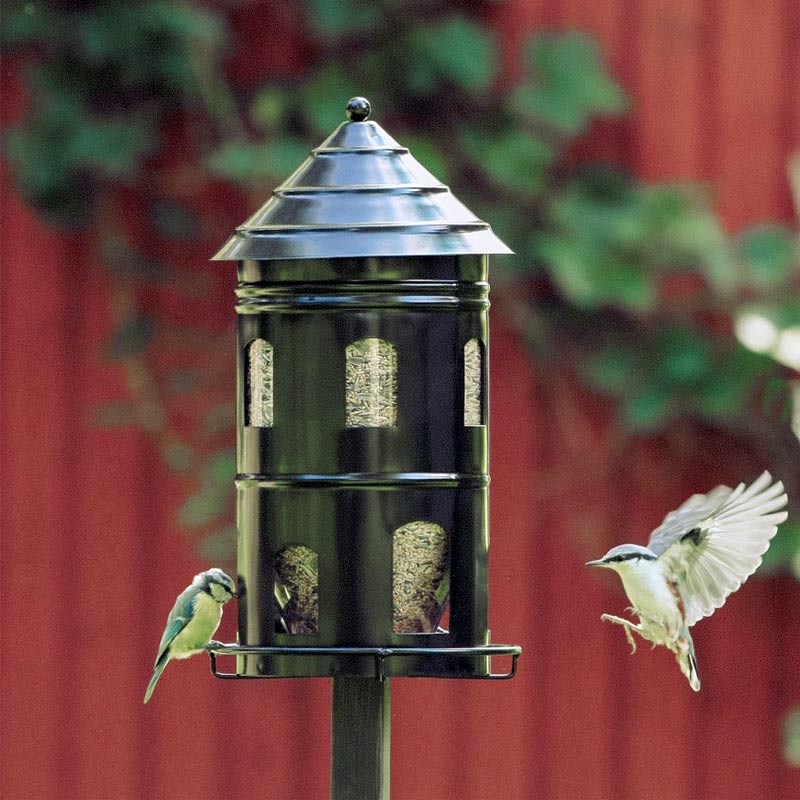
(686, 517)
(733, 530)
(178, 619)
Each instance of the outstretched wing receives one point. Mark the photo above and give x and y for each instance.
(714, 542)
(686, 517)
(177, 620)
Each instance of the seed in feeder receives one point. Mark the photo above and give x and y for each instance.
(297, 589)
(420, 577)
(260, 376)
(371, 384)
(472, 383)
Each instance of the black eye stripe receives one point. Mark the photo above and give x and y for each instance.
(632, 556)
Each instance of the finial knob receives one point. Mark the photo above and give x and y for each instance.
(358, 109)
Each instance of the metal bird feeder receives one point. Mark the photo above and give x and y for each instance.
(362, 435)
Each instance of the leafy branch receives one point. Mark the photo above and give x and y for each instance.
(136, 132)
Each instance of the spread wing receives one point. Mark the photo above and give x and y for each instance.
(178, 619)
(714, 542)
(686, 517)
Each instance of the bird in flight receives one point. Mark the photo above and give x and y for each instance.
(701, 553)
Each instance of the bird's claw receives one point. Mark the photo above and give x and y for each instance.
(212, 644)
(627, 626)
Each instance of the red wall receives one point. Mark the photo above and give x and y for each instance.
(92, 558)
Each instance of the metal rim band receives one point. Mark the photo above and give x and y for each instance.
(420, 295)
(364, 480)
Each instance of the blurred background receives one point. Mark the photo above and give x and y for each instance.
(637, 156)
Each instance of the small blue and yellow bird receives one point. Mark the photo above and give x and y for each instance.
(193, 620)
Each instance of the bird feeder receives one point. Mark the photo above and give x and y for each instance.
(362, 421)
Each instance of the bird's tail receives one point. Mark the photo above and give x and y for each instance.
(686, 659)
(154, 680)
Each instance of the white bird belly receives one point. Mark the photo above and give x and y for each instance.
(200, 628)
(652, 597)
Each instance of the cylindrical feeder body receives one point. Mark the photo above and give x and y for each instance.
(362, 416)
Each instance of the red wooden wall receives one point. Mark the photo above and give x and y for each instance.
(92, 559)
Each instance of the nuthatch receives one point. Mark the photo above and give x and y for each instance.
(701, 553)
(193, 620)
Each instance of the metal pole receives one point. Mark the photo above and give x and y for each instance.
(360, 736)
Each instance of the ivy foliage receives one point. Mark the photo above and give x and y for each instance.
(636, 286)
(102, 78)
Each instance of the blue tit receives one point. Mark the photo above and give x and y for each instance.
(193, 620)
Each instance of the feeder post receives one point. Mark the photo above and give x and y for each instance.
(360, 739)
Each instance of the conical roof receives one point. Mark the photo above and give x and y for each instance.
(360, 194)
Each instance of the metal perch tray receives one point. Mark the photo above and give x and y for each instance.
(379, 654)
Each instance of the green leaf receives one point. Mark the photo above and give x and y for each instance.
(683, 233)
(568, 84)
(246, 162)
(337, 17)
(726, 389)
(200, 509)
(152, 44)
(54, 155)
(178, 456)
(173, 220)
(681, 354)
(222, 467)
(613, 369)
(220, 546)
(629, 234)
(185, 23)
(270, 108)
(121, 260)
(770, 253)
(25, 22)
(784, 548)
(721, 396)
(791, 737)
(220, 418)
(777, 400)
(625, 283)
(512, 158)
(457, 50)
(648, 409)
(601, 206)
(44, 179)
(113, 146)
(324, 96)
(216, 494)
(131, 336)
(568, 263)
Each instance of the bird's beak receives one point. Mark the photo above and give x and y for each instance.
(598, 563)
